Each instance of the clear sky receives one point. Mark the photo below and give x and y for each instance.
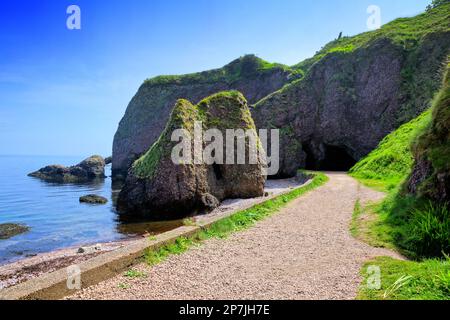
(63, 92)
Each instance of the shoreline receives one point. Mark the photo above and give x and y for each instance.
(12, 274)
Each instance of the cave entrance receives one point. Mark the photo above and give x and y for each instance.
(336, 159)
(217, 171)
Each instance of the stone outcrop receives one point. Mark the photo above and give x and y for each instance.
(337, 105)
(430, 177)
(9, 230)
(149, 110)
(349, 101)
(156, 187)
(89, 169)
(93, 199)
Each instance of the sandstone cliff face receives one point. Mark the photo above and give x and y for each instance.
(156, 187)
(349, 101)
(430, 177)
(149, 110)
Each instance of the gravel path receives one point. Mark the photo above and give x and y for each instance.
(303, 252)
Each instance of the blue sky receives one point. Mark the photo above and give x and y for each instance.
(63, 92)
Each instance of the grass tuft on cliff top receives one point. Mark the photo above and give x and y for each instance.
(406, 32)
(248, 66)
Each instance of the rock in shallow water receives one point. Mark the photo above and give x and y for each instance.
(9, 230)
(93, 199)
(89, 169)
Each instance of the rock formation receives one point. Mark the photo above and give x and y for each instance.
(93, 199)
(337, 105)
(431, 173)
(89, 169)
(349, 101)
(157, 187)
(149, 110)
(9, 230)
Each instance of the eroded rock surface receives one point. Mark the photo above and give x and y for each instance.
(89, 169)
(9, 230)
(157, 187)
(93, 199)
(349, 101)
(149, 110)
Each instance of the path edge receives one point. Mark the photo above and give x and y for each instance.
(54, 285)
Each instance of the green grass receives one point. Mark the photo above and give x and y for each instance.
(408, 280)
(406, 32)
(248, 66)
(133, 274)
(235, 223)
(416, 227)
(390, 163)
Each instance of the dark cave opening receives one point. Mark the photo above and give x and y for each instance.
(217, 171)
(336, 159)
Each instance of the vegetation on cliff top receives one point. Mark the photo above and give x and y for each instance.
(406, 32)
(248, 66)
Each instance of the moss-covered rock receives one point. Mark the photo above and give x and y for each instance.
(9, 230)
(431, 172)
(89, 169)
(93, 199)
(149, 110)
(157, 187)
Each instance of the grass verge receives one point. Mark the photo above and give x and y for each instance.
(407, 280)
(240, 221)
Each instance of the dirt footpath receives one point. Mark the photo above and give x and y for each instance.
(303, 252)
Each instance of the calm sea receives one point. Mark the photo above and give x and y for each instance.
(53, 212)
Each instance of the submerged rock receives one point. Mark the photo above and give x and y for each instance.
(159, 188)
(93, 199)
(89, 169)
(9, 230)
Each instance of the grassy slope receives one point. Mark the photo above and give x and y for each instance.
(413, 226)
(389, 164)
(409, 280)
(404, 31)
(245, 67)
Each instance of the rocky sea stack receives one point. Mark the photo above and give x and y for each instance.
(157, 187)
(89, 169)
